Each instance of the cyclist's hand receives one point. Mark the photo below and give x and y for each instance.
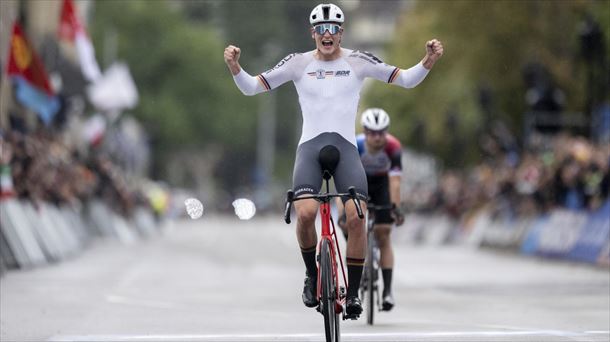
(398, 215)
(434, 49)
(231, 56)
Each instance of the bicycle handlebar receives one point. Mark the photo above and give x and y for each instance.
(322, 198)
(352, 193)
(289, 199)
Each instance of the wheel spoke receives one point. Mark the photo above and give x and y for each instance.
(331, 321)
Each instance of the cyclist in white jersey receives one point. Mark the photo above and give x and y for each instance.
(328, 82)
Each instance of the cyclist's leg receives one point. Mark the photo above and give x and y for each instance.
(380, 195)
(350, 172)
(386, 260)
(383, 229)
(306, 211)
(307, 178)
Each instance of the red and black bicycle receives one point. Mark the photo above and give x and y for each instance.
(331, 295)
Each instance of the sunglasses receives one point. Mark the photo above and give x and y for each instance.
(374, 133)
(331, 28)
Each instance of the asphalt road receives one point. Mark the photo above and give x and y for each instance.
(221, 279)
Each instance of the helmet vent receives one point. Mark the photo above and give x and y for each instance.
(326, 12)
(314, 17)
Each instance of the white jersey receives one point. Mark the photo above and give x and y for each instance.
(329, 91)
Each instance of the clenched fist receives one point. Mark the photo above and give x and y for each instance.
(231, 56)
(434, 51)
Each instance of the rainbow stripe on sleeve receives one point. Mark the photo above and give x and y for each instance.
(393, 75)
(264, 82)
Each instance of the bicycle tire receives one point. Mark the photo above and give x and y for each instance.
(370, 286)
(331, 318)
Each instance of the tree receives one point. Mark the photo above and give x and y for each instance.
(187, 99)
(487, 44)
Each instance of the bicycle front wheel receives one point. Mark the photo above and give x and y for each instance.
(371, 285)
(329, 294)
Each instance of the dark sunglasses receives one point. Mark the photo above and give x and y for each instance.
(331, 28)
(373, 133)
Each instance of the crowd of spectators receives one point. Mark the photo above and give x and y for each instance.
(551, 171)
(39, 166)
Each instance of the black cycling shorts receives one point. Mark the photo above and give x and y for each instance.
(307, 175)
(379, 192)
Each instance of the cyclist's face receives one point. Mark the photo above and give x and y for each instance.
(375, 139)
(328, 44)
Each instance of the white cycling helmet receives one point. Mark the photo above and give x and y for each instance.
(326, 13)
(375, 119)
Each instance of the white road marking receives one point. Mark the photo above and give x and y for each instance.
(295, 337)
(139, 302)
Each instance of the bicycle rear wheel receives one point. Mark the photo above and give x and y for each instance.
(329, 295)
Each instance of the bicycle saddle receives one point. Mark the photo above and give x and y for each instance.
(328, 158)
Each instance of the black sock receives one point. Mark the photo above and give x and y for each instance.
(387, 280)
(309, 257)
(354, 273)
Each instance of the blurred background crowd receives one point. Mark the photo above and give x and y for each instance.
(45, 169)
(562, 171)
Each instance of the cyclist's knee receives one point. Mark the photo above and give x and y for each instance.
(382, 234)
(354, 223)
(306, 215)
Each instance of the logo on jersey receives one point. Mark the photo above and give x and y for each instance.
(367, 56)
(322, 74)
(342, 73)
(282, 62)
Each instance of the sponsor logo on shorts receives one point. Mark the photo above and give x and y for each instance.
(304, 191)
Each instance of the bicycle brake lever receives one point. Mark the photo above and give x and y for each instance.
(289, 198)
(352, 194)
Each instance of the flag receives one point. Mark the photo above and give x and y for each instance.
(33, 89)
(71, 29)
(94, 130)
(115, 90)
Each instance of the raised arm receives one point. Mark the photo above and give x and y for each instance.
(368, 65)
(270, 79)
(248, 84)
(413, 76)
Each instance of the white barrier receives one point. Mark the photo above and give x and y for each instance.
(144, 220)
(424, 228)
(33, 236)
(19, 235)
(48, 237)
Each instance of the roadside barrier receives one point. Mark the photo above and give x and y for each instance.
(579, 236)
(564, 234)
(35, 236)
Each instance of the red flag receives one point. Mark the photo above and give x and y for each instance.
(69, 24)
(23, 61)
(70, 28)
